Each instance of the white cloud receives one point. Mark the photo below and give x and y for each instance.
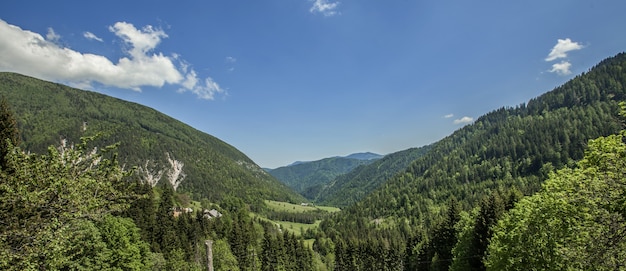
(52, 36)
(463, 120)
(325, 7)
(561, 48)
(448, 116)
(26, 52)
(230, 61)
(562, 68)
(91, 36)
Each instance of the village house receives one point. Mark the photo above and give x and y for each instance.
(177, 211)
(209, 214)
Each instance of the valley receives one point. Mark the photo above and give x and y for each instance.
(541, 178)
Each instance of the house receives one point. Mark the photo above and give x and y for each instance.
(209, 214)
(176, 211)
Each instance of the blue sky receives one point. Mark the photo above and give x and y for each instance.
(287, 80)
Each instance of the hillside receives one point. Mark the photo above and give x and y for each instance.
(214, 170)
(309, 178)
(438, 213)
(351, 187)
(507, 147)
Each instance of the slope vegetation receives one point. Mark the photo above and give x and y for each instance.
(149, 139)
(353, 186)
(309, 178)
(507, 147)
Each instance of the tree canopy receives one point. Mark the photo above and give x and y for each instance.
(577, 221)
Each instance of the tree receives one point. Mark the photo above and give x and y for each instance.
(223, 258)
(445, 237)
(126, 250)
(165, 237)
(44, 197)
(9, 133)
(577, 222)
(475, 230)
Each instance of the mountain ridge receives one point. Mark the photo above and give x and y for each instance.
(215, 170)
(310, 178)
(507, 147)
(356, 155)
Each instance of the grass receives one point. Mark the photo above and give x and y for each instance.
(297, 228)
(280, 206)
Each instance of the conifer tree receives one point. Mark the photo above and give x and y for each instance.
(445, 237)
(165, 238)
(9, 132)
(490, 211)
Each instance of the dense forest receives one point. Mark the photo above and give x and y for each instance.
(310, 178)
(476, 175)
(76, 208)
(353, 186)
(149, 140)
(539, 186)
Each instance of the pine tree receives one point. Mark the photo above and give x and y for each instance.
(9, 132)
(142, 210)
(165, 238)
(445, 237)
(490, 211)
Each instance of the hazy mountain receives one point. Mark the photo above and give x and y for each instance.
(365, 156)
(309, 178)
(356, 184)
(48, 111)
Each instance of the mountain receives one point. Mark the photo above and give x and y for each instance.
(364, 156)
(309, 178)
(357, 156)
(214, 170)
(508, 147)
(485, 168)
(353, 186)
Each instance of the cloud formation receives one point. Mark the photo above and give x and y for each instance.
(448, 116)
(52, 36)
(463, 120)
(562, 68)
(230, 62)
(91, 36)
(561, 48)
(26, 52)
(324, 7)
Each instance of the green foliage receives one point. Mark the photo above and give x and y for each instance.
(509, 148)
(124, 248)
(8, 131)
(475, 230)
(313, 176)
(223, 258)
(505, 148)
(50, 204)
(46, 111)
(353, 186)
(576, 222)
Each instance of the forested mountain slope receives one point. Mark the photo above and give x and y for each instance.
(440, 212)
(309, 178)
(47, 112)
(350, 187)
(506, 147)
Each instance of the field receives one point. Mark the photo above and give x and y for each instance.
(296, 228)
(280, 206)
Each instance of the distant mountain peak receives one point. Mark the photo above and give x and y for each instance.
(364, 156)
(357, 156)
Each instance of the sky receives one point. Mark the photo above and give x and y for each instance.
(302, 80)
